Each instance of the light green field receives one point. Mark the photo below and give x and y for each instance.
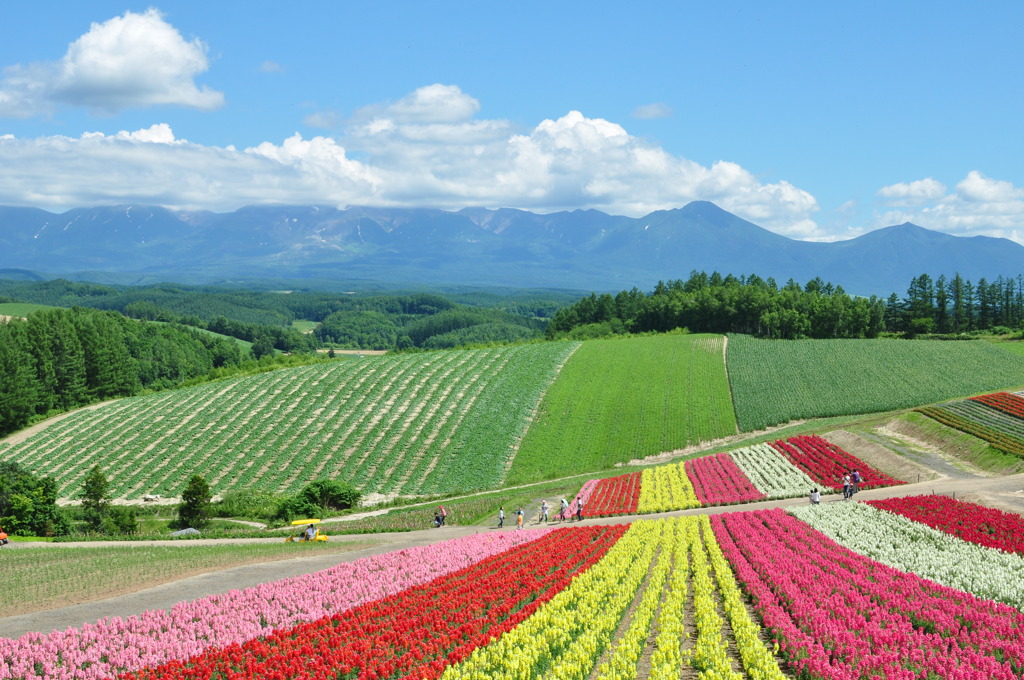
(627, 398)
(414, 423)
(303, 326)
(775, 381)
(21, 309)
(42, 578)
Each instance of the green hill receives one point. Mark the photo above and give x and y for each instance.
(415, 423)
(462, 420)
(627, 398)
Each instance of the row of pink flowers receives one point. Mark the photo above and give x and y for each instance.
(717, 480)
(826, 463)
(113, 646)
(416, 633)
(836, 614)
(975, 523)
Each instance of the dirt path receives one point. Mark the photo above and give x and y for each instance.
(1004, 492)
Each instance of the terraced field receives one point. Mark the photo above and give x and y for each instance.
(628, 398)
(775, 381)
(417, 423)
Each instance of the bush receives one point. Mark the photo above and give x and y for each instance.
(246, 503)
(28, 504)
(120, 520)
(319, 497)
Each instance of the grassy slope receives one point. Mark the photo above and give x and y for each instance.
(627, 398)
(777, 381)
(418, 423)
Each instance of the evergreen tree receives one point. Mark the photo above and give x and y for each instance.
(194, 509)
(95, 497)
(19, 384)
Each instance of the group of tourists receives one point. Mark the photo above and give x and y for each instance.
(851, 485)
(545, 513)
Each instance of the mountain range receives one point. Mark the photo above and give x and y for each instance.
(582, 249)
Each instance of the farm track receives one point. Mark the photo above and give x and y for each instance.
(1004, 492)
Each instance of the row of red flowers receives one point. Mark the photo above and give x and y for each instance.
(1003, 401)
(975, 523)
(614, 496)
(826, 463)
(836, 614)
(415, 633)
(717, 480)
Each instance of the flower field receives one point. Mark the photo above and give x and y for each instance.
(418, 423)
(826, 463)
(843, 590)
(778, 381)
(997, 418)
(782, 469)
(837, 614)
(974, 523)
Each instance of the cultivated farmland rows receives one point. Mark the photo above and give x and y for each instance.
(986, 415)
(410, 423)
(777, 381)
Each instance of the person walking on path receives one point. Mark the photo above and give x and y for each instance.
(847, 487)
(501, 517)
(443, 513)
(564, 514)
(543, 512)
(815, 497)
(579, 508)
(855, 478)
(519, 518)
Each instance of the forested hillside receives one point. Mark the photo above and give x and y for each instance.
(355, 320)
(59, 359)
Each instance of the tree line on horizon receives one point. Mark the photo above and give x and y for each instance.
(712, 303)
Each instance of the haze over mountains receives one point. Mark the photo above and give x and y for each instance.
(587, 250)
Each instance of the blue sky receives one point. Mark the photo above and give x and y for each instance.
(814, 120)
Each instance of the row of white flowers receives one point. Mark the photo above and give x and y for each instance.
(909, 546)
(772, 474)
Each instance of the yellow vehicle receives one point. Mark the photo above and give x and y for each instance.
(306, 530)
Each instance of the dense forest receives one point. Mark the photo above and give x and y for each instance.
(352, 320)
(756, 306)
(60, 359)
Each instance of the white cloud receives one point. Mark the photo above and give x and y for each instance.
(913, 193)
(977, 206)
(133, 61)
(652, 111)
(432, 104)
(271, 67)
(980, 189)
(425, 150)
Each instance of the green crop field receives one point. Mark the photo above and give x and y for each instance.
(627, 398)
(21, 308)
(414, 423)
(775, 381)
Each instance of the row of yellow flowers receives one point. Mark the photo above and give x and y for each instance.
(664, 488)
(570, 635)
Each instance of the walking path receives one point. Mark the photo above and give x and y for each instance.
(1004, 492)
